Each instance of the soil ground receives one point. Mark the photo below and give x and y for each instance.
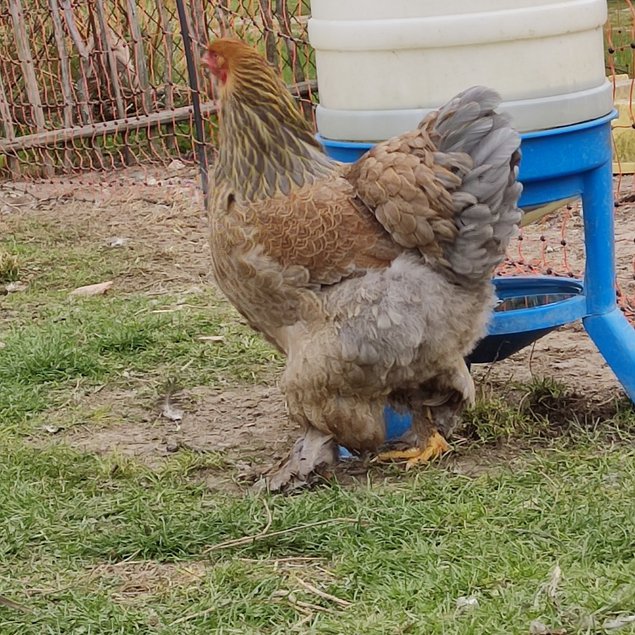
(159, 216)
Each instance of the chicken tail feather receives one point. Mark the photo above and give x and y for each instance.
(486, 203)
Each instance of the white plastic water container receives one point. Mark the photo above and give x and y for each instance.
(383, 64)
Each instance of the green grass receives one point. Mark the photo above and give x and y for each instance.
(401, 557)
(9, 267)
(105, 544)
(101, 340)
(618, 49)
(53, 343)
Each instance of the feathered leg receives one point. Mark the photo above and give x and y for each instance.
(310, 458)
(436, 409)
(425, 441)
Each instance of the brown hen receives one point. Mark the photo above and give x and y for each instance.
(373, 278)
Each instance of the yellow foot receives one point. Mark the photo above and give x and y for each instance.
(437, 446)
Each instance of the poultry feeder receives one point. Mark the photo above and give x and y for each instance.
(382, 66)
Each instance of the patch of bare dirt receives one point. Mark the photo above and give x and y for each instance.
(247, 425)
(137, 580)
(567, 355)
(483, 461)
(159, 223)
(249, 428)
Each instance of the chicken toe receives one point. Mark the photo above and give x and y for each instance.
(435, 447)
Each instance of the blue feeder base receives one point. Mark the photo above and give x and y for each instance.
(556, 164)
(529, 308)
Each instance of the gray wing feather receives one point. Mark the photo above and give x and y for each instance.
(481, 146)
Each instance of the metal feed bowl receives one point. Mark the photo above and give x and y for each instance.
(528, 309)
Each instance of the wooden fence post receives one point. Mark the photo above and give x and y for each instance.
(82, 84)
(220, 11)
(103, 42)
(168, 77)
(101, 37)
(9, 130)
(271, 48)
(67, 90)
(28, 73)
(282, 13)
(139, 56)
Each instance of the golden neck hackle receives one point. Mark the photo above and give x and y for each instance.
(266, 146)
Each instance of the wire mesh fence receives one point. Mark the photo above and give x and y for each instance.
(104, 84)
(98, 87)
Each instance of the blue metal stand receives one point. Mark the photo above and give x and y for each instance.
(556, 164)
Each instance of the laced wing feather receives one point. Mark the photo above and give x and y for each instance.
(448, 189)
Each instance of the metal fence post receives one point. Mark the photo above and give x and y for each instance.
(199, 131)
